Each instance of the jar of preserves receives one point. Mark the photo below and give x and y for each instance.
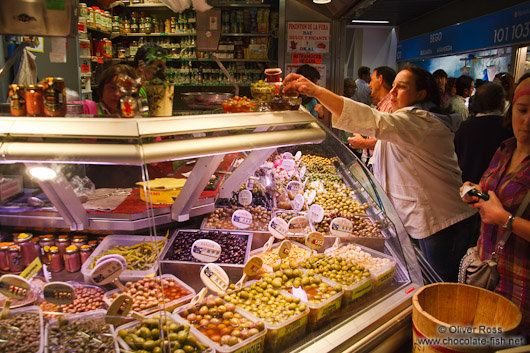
(72, 260)
(93, 244)
(4, 255)
(62, 243)
(17, 100)
(27, 248)
(85, 252)
(79, 240)
(56, 260)
(16, 264)
(34, 100)
(126, 26)
(46, 242)
(54, 96)
(36, 245)
(134, 26)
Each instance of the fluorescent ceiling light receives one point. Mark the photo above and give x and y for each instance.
(321, 1)
(369, 21)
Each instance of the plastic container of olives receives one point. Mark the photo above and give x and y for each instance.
(226, 224)
(31, 310)
(96, 316)
(285, 333)
(112, 241)
(133, 324)
(253, 344)
(275, 246)
(107, 297)
(320, 313)
(382, 276)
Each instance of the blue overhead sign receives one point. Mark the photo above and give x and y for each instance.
(500, 29)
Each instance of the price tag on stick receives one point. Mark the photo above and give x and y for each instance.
(58, 293)
(294, 186)
(119, 308)
(108, 271)
(13, 287)
(285, 249)
(297, 155)
(302, 172)
(242, 219)
(298, 224)
(341, 227)
(316, 213)
(298, 203)
(288, 164)
(315, 240)
(244, 197)
(215, 278)
(278, 228)
(287, 155)
(206, 250)
(252, 267)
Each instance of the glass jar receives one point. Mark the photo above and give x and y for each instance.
(16, 263)
(85, 252)
(54, 96)
(17, 100)
(4, 256)
(134, 26)
(116, 24)
(79, 240)
(62, 243)
(83, 10)
(93, 244)
(27, 248)
(56, 260)
(46, 242)
(72, 260)
(36, 245)
(126, 26)
(34, 100)
(148, 25)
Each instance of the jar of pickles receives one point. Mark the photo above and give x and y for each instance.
(27, 248)
(16, 263)
(34, 100)
(4, 259)
(72, 259)
(56, 260)
(54, 96)
(17, 100)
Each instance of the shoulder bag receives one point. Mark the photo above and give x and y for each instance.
(476, 272)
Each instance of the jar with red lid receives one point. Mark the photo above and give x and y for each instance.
(54, 96)
(56, 260)
(46, 242)
(62, 242)
(35, 100)
(17, 100)
(4, 253)
(27, 247)
(85, 252)
(273, 75)
(16, 263)
(72, 260)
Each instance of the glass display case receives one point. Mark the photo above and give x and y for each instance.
(168, 196)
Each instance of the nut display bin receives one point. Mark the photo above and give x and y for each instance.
(381, 276)
(167, 306)
(132, 324)
(110, 242)
(35, 310)
(96, 315)
(253, 344)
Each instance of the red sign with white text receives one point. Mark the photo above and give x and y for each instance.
(307, 58)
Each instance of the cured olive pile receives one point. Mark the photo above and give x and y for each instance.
(160, 334)
(232, 246)
(220, 322)
(86, 299)
(336, 269)
(20, 333)
(221, 218)
(80, 336)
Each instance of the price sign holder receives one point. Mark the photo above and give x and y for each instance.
(215, 278)
(252, 267)
(288, 164)
(206, 250)
(294, 186)
(120, 307)
(287, 155)
(244, 197)
(59, 293)
(284, 250)
(302, 172)
(13, 287)
(297, 156)
(109, 271)
(278, 228)
(242, 219)
(298, 224)
(314, 240)
(316, 213)
(117, 257)
(298, 203)
(311, 197)
(341, 227)
(32, 269)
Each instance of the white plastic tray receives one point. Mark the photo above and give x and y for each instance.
(32, 310)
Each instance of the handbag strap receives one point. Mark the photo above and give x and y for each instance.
(500, 245)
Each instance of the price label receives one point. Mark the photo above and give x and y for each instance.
(302, 172)
(316, 213)
(278, 228)
(242, 219)
(245, 197)
(112, 256)
(14, 287)
(285, 249)
(58, 293)
(311, 197)
(206, 250)
(214, 278)
(314, 240)
(119, 308)
(287, 155)
(107, 271)
(253, 266)
(298, 202)
(288, 164)
(33, 268)
(250, 184)
(341, 227)
(294, 186)
(298, 155)
(298, 224)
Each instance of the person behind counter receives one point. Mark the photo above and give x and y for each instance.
(507, 182)
(416, 166)
(148, 62)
